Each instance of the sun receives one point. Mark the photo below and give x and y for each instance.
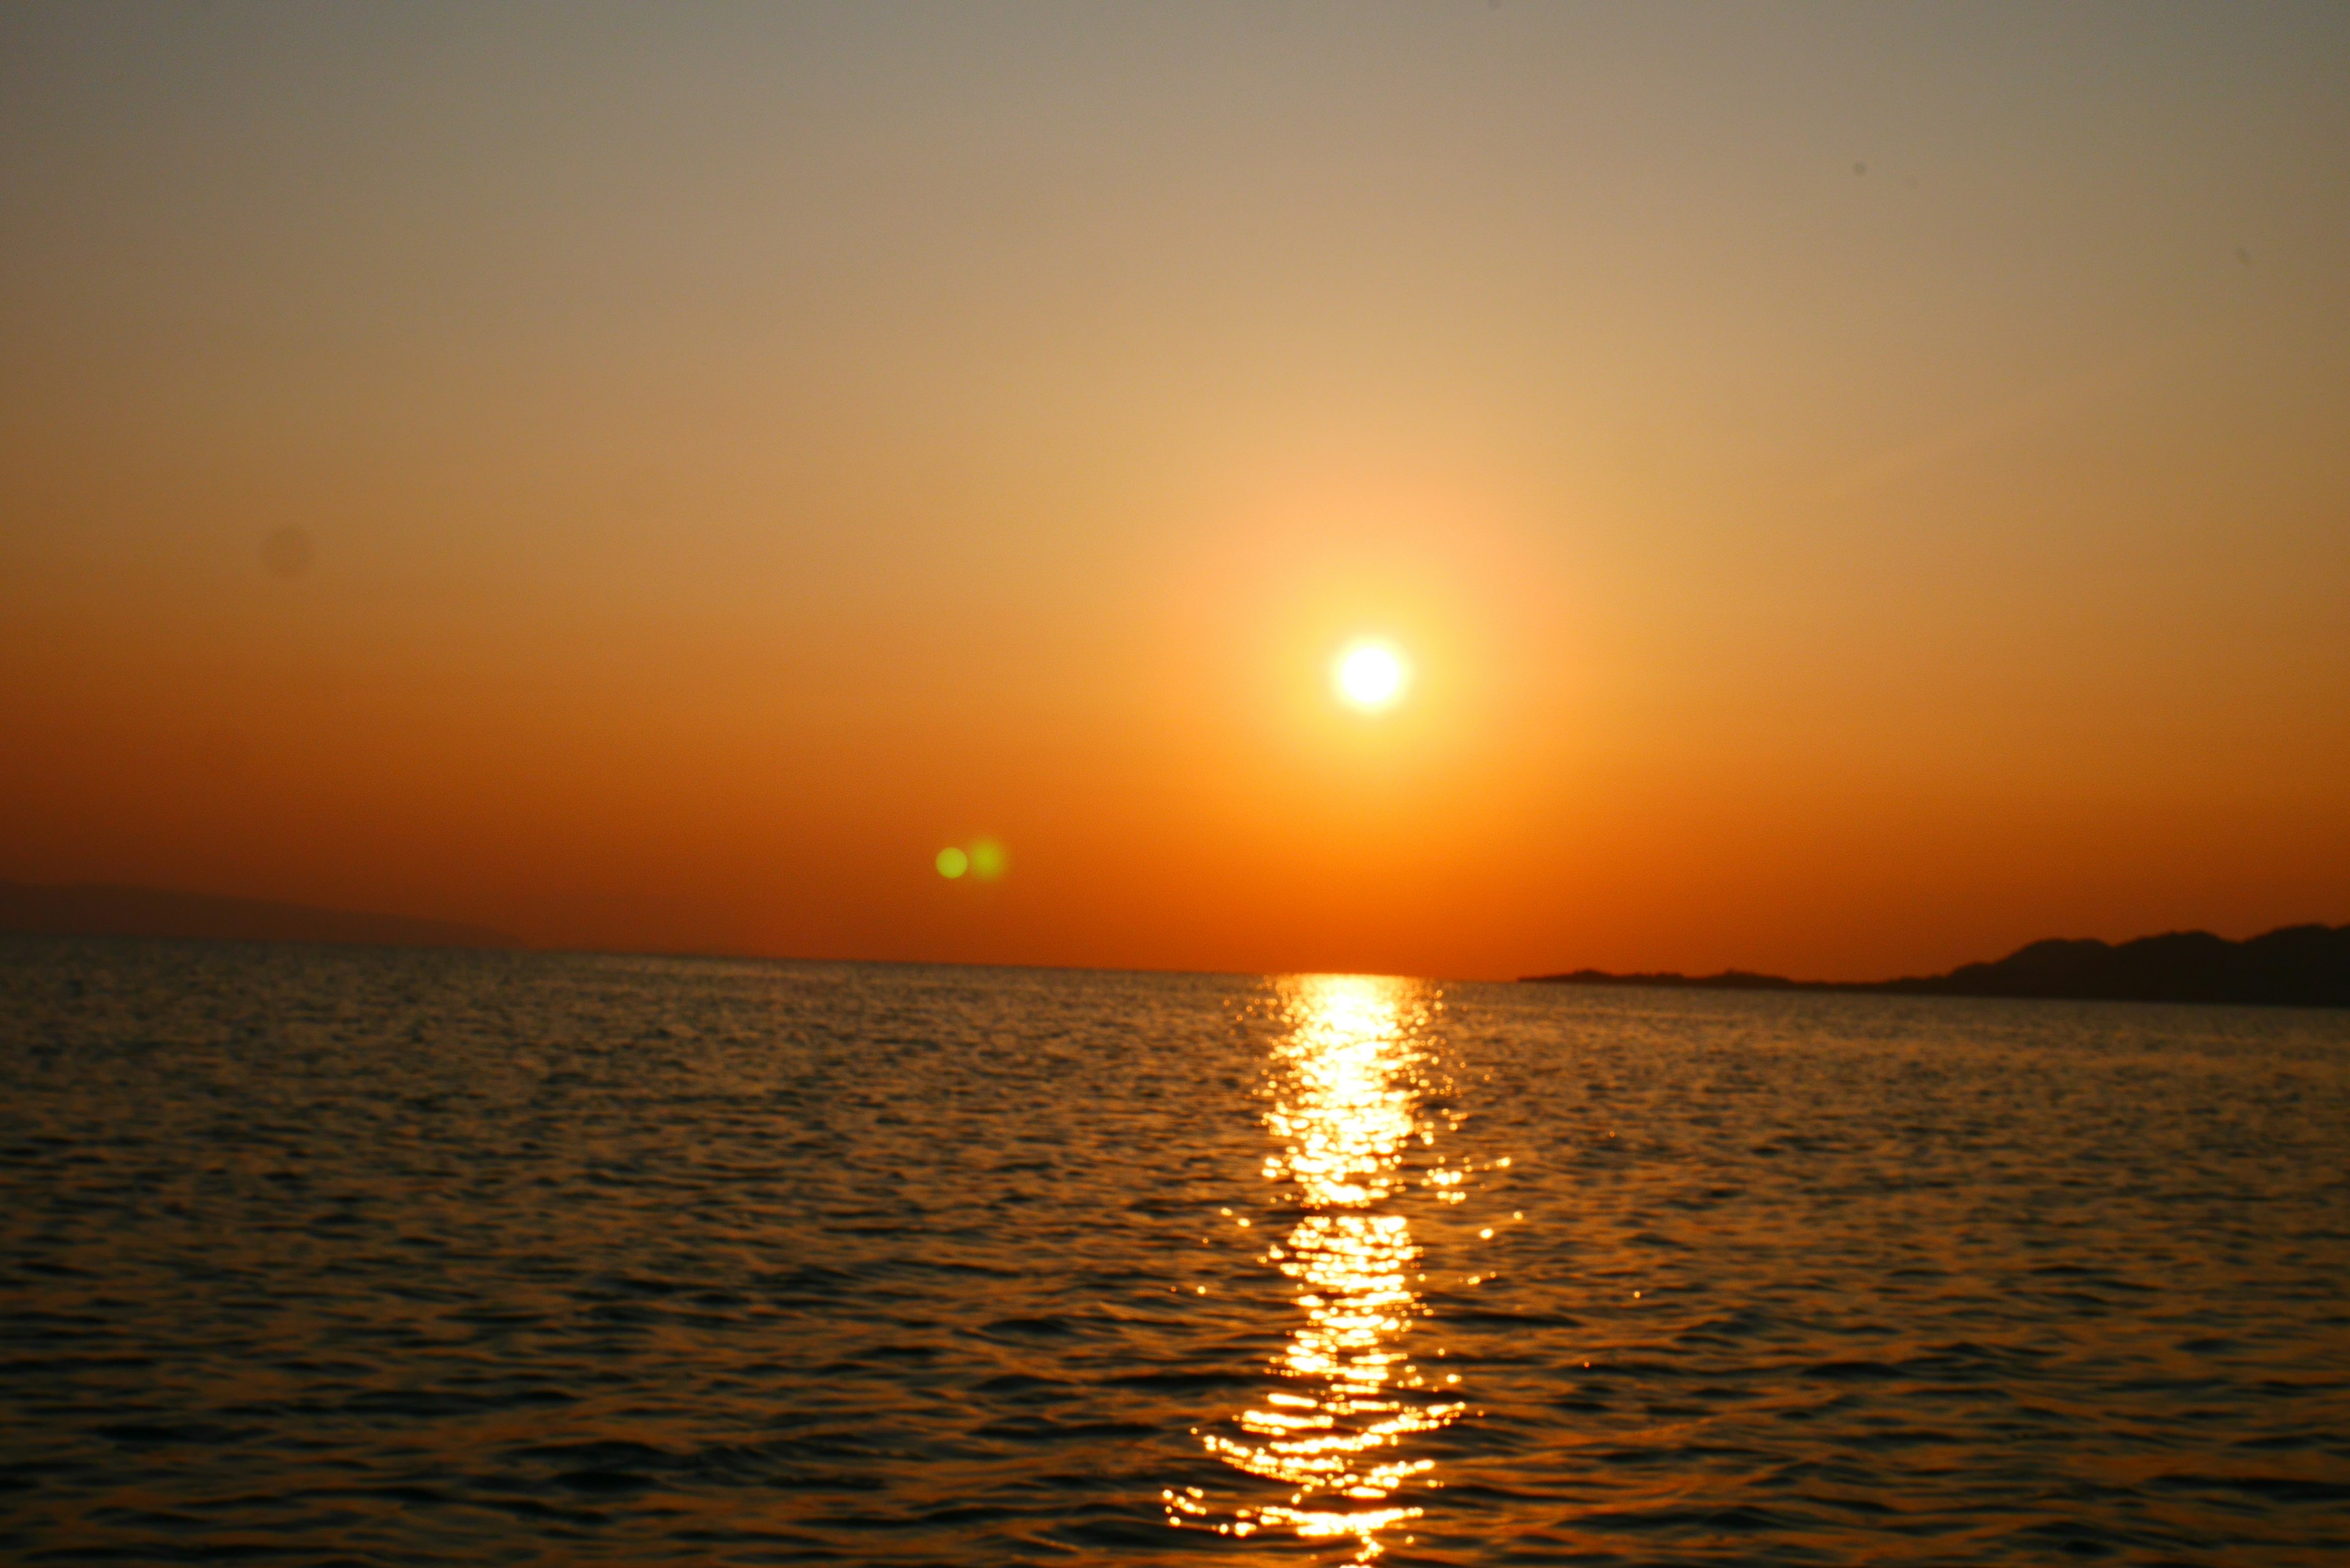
(1370, 675)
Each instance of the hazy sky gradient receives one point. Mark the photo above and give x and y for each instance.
(1863, 486)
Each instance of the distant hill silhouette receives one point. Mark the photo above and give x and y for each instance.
(2299, 966)
(26, 909)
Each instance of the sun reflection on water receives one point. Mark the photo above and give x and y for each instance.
(1348, 1080)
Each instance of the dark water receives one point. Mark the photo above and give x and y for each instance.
(347, 1256)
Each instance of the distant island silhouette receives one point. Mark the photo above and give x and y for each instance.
(2297, 966)
(87, 911)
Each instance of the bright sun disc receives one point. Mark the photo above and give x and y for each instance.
(1371, 675)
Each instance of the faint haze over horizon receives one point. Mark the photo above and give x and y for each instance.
(1858, 487)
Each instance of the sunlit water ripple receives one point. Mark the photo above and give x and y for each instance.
(350, 1256)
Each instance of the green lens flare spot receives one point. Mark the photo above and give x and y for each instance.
(988, 860)
(953, 863)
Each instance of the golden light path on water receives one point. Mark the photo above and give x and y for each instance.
(1348, 1078)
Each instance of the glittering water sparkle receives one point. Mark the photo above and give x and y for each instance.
(1350, 1084)
(351, 1255)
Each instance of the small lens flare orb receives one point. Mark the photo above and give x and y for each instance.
(1371, 675)
(983, 860)
(988, 860)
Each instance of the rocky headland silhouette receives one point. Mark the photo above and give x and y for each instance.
(2296, 966)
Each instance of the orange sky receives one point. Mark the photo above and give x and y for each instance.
(1862, 487)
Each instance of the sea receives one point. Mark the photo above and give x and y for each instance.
(337, 1255)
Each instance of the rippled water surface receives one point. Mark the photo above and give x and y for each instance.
(351, 1256)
